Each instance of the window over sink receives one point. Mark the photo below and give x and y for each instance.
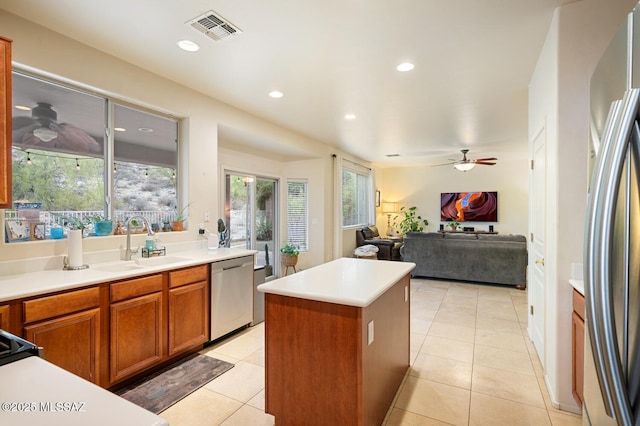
(79, 157)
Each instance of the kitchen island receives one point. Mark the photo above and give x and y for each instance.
(336, 342)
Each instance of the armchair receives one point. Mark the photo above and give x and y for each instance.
(388, 248)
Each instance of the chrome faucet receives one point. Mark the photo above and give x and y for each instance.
(129, 252)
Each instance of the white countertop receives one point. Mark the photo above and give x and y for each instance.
(35, 392)
(41, 282)
(578, 285)
(346, 281)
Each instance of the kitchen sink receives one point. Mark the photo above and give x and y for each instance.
(160, 260)
(118, 267)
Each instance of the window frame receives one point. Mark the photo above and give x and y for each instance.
(107, 156)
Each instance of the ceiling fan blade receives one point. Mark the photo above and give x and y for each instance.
(484, 163)
(28, 141)
(486, 159)
(77, 139)
(18, 134)
(445, 164)
(20, 122)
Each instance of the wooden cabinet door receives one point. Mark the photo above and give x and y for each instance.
(136, 335)
(5, 123)
(4, 317)
(71, 342)
(577, 381)
(188, 316)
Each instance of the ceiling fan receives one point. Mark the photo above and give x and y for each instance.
(467, 164)
(42, 130)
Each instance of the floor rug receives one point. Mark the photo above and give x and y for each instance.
(169, 385)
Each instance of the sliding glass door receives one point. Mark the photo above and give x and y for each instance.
(250, 214)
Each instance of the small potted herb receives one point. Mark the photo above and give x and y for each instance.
(181, 217)
(72, 223)
(289, 254)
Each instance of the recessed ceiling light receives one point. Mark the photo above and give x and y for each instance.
(276, 94)
(119, 129)
(405, 66)
(23, 108)
(350, 117)
(145, 129)
(188, 45)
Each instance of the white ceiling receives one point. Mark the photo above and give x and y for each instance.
(473, 62)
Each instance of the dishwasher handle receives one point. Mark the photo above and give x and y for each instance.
(227, 268)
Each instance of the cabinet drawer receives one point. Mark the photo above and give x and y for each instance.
(188, 275)
(60, 304)
(578, 304)
(136, 287)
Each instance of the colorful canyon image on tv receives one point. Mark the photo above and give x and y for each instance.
(469, 206)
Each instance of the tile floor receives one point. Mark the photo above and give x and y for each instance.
(471, 364)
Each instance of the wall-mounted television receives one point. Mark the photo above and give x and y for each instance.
(469, 206)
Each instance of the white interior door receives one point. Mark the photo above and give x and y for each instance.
(537, 209)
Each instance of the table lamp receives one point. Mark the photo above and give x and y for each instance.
(388, 209)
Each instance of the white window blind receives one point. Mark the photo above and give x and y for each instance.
(298, 214)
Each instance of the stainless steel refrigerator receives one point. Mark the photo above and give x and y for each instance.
(612, 238)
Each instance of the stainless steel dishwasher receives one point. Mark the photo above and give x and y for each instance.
(231, 295)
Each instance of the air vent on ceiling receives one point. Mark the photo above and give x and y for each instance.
(214, 26)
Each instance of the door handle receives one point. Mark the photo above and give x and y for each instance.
(540, 262)
(600, 316)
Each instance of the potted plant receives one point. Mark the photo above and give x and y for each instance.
(289, 255)
(101, 225)
(136, 227)
(73, 223)
(454, 225)
(409, 221)
(181, 217)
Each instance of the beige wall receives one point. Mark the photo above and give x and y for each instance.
(421, 186)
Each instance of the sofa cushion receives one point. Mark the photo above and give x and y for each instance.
(461, 236)
(495, 237)
(370, 233)
(427, 235)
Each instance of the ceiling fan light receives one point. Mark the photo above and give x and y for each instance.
(464, 167)
(45, 134)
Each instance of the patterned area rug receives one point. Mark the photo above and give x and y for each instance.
(169, 385)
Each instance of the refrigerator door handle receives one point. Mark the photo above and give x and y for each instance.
(592, 234)
(599, 298)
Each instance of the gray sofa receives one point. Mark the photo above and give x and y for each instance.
(487, 258)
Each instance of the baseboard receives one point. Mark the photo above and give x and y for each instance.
(571, 408)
